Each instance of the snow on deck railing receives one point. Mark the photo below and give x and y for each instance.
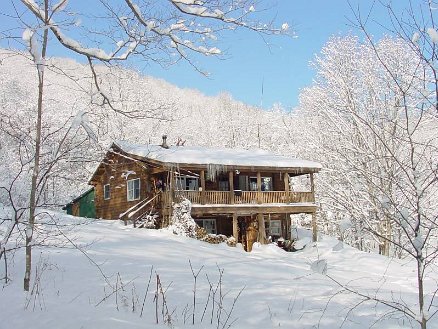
(135, 211)
(131, 213)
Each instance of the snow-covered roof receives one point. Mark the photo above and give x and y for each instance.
(214, 156)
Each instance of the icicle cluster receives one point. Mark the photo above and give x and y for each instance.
(213, 170)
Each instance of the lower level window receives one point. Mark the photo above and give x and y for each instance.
(106, 191)
(208, 224)
(275, 228)
(133, 189)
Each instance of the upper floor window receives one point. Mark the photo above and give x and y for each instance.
(266, 184)
(224, 186)
(133, 189)
(185, 183)
(106, 192)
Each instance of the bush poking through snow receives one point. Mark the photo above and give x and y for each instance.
(182, 222)
(149, 220)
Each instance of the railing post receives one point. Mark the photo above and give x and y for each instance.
(231, 183)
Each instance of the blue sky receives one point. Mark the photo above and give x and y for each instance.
(282, 67)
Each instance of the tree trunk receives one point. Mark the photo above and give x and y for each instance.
(420, 271)
(36, 167)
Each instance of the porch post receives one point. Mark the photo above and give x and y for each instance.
(202, 187)
(286, 187)
(314, 228)
(235, 228)
(312, 187)
(287, 224)
(259, 187)
(262, 231)
(231, 183)
(171, 192)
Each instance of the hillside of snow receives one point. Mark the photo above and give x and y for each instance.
(111, 278)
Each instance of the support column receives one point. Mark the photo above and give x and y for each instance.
(202, 186)
(312, 187)
(235, 228)
(231, 183)
(262, 230)
(171, 191)
(314, 228)
(259, 187)
(286, 187)
(287, 224)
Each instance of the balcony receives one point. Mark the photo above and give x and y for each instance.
(240, 197)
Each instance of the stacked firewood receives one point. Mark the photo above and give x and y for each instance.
(215, 238)
(201, 233)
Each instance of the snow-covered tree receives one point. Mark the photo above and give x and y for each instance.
(373, 113)
(163, 31)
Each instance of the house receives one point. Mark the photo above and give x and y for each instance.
(242, 193)
(83, 205)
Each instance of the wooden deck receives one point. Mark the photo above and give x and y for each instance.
(244, 202)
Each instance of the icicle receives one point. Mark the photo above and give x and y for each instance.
(213, 170)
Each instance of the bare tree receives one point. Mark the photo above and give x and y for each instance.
(163, 31)
(374, 104)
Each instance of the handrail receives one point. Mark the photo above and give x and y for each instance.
(244, 197)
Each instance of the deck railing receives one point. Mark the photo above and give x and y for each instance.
(239, 197)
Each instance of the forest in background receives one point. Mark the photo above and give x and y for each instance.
(80, 126)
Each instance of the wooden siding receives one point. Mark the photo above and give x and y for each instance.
(115, 173)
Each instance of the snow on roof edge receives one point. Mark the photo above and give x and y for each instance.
(214, 156)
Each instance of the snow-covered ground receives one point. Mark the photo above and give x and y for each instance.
(278, 289)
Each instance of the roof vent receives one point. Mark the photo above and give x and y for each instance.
(164, 143)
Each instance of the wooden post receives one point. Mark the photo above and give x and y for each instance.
(287, 224)
(286, 187)
(262, 231)
(259, 187)
(314, 228)
(312, 187)
(171, 194)
(202, 187)
(235, 228)
(231, 183)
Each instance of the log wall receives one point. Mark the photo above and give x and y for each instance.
(116, 169)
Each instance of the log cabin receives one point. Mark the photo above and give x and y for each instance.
(242, 193)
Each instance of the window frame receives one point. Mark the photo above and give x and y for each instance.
(253, 179)
(184, 183)
(276, 229)
(132, 189)
(205, 220)
(106, 188)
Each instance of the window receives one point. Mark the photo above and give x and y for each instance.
(133, 189)
(106, 192)
(208, 224)
(185, 183)
(223, 185)
(266, 184)
(275, 228)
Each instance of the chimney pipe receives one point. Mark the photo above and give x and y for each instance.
(164, 143)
